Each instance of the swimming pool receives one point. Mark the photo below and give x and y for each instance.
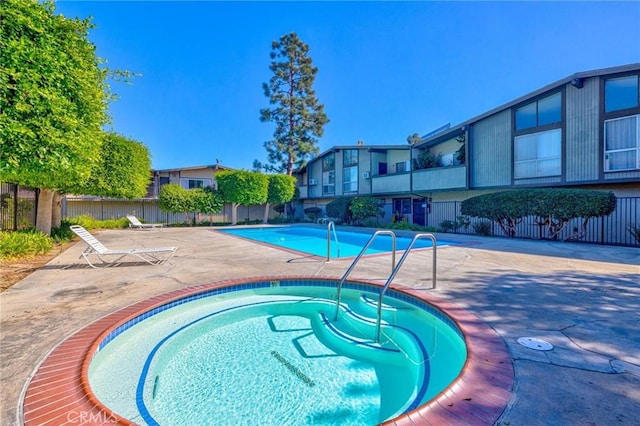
(313, 240)
(269, 352)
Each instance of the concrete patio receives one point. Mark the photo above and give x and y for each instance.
(584, 299)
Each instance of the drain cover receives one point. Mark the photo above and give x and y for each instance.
(535, 343)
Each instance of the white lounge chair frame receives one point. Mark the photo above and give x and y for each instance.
(135, 223)
(153, 256)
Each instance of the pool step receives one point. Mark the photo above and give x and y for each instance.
(353, 344)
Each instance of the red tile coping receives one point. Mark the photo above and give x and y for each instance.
(58, 393)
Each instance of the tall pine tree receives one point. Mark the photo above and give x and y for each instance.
(294, 107)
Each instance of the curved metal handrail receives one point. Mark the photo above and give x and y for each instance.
(335, 235)
(395, 271)
(364, 249)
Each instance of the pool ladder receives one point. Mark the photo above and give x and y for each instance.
(331, 225)
(394, 269)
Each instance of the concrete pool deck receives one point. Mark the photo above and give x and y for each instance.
(584, 299)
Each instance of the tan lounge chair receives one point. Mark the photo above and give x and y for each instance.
(135, 223)
(153, 256)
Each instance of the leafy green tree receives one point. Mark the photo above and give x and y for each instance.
(176, 199)
(363, 208)
(123, 171)
(241, 187)
(294, 107)
(281, 190)
(53, 101)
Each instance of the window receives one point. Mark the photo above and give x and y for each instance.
(622, 143)
(402, 205)
(329, 182)
(401, 167)
(328, 162)
(191, 183)
(329, 174)
(350, 179)
(538, 154)
(620, 93)
(543, 112)
(350, 157)
(350, 170)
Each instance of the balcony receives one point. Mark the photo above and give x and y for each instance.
(385, 184)
(451, 177)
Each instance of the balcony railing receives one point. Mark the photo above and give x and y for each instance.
(451, 177)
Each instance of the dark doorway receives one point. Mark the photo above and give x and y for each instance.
(420, 211)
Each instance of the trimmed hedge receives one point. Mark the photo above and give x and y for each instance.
(553, 208)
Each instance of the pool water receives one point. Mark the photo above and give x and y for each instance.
(274, 356)
(313, 240)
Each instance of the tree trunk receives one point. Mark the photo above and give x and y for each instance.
(266, 213)
(56, 210)
(234, 213)
(45, 203)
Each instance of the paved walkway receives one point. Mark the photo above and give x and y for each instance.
(584, 299)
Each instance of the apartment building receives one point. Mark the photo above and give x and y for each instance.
(187, 177)
(582, 131)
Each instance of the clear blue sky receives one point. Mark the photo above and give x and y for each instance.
(386, 69)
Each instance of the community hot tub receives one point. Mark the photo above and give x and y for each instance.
(277, 350)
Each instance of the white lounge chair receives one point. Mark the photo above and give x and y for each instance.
(153, 256)
(135, 223)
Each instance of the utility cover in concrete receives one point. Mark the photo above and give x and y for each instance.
(535, 343)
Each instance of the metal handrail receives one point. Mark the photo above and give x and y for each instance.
(395, 271)
(335, 235)
(364, 249)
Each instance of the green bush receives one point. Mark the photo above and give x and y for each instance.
(427, 160)
(366, 208)
(483, 228)
(406, 226)
(339, 209)
(24, 244)
(313, 212)
(454, 225)
(553, 208)
(448, 225)
(89, 222)
(279, 220)
(371, 222)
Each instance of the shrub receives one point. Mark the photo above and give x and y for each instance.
(313, 212)
(280, 219)
(448, 225)
(553, 208)
(454, 225)
(24, 244)
(364, 208)
(427, 160)
(89, 222)
(339, 209)
(484, 228)
(371, 222)
(406, 226)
